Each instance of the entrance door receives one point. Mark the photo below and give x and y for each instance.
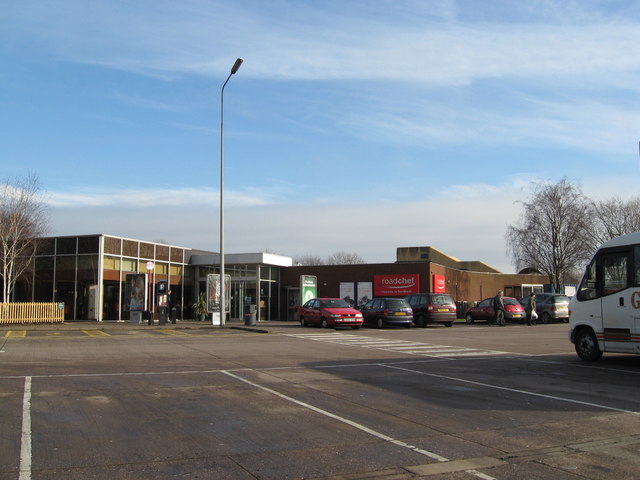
(237, 299)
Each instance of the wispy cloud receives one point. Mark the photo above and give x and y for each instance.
(143, 197)
(164, 38)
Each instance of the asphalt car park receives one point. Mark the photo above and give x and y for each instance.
(312, 403)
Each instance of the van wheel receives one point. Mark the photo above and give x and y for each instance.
(448, 324)
(380, 323)
(421, 321)
(586, 345)
(469, 318)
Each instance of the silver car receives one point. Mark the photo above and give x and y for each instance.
(550, 306)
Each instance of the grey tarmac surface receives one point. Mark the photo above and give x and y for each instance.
(278, 401)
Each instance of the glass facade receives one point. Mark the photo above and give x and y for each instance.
(251, 285)
(89, 275)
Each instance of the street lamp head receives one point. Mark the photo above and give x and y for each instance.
(236, 65)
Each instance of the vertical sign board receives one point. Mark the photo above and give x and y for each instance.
(308, 288)
(213, 292)
(396, 285)
(365, 292)
(136, 291)
(439, 284)
(348, 292)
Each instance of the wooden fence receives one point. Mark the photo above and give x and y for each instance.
(31, 312)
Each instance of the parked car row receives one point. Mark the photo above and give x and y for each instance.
(419, 309)
(484, 311)
(550, 306)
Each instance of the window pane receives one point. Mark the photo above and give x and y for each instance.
(129, 248)
(129, 265)
(111, 263)
(66, 246)
(162, 252)
(615, 273)
(112, 245)
(146, 250)
(45, 246)
(88, 244)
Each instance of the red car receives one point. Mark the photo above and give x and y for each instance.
(484, 311)
(329, 312)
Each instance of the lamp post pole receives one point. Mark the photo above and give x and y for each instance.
(223, 305)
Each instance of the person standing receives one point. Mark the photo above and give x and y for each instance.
(530, 309)
(498, 309)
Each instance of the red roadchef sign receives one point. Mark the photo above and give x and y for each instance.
(439, 285)
(396, 285)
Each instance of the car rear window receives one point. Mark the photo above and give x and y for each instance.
(560, 299)
(397, 303)
(441, 300)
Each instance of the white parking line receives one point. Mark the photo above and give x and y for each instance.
(368, 430)
(514, 390)
(25, 443)
(357, 425)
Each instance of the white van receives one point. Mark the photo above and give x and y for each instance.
(605, 311)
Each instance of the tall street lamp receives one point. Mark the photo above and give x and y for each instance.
(223, 306)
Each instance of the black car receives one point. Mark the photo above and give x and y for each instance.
(387, 311)
(432, 308)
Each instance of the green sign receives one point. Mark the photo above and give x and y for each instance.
(308, 288)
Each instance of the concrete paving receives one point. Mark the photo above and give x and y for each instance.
(278, 401)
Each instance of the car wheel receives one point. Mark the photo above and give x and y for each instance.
(421, 321)
(448, 324)
(302, 322)
(546, 318)
(587, 345)
(380, 323)
(469, 318)
(323, 323)
(355, 327)
(565, 320)
(408, 325)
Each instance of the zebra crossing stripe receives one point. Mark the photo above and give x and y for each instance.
(400, 346)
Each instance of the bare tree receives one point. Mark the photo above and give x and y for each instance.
(615, 217)
(22, 221)
(553, 233)
(307, 260)
(345, 258)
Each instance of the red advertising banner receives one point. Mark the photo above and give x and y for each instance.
(396, 285)
(439, 284)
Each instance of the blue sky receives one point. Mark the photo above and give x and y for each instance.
(357, 126)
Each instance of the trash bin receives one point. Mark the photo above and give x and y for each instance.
(135, 317)
(162, 315)
(174, 315)
(250, 316)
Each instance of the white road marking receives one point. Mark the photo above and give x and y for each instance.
(513, 390)
(368, 430)
(357, 425)
(402, 346)
(25, 444)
